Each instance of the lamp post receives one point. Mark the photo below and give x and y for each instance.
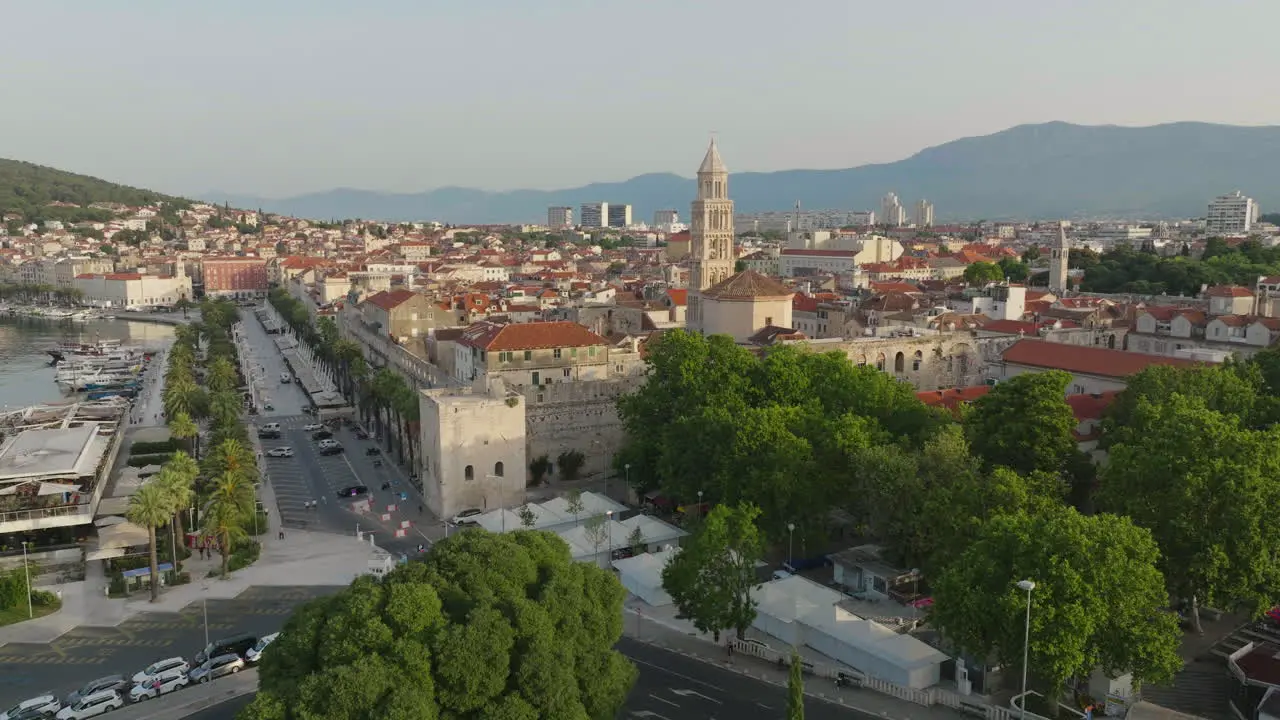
(31, 612)
(700, 513)
(608, 524)
(1027, 585)
(791, 535)
(627, 469)
(204, 605)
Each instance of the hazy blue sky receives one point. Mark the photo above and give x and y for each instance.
(280, 97)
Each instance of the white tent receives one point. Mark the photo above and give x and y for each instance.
(642, 576)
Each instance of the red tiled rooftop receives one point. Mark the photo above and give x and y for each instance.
(390, 299)
(952, 398)
(1091, 406)
(494, 337)
(1084, 359)
(1011, 327)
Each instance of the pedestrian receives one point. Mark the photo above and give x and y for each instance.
(281, 534)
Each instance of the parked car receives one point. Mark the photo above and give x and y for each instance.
(280, 452)
(217, 667)
(115, 683)
(33, 714)
(361, 434)
(92, 705)
(255, 653)
(236, 645)
(48, 704)
(165, 682)
(330, 447)
(268, 434)
(285, 379)
(467, 517)
(353, 491)
(322, 434)
(160, 666)
(313, 427)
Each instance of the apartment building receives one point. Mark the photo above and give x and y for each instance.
(539, 353)
(619, 215)
(402, 314)
(1231, 214)
(559, 217)
(594, 215)
(125, 290)
(237, 277)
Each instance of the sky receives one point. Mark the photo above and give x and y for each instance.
(284, 97)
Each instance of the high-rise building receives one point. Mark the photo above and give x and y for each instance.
(1231, 214)
(665, 218)
(559, 217)
(1058, 261)
(619, 215)
(924, 214)
(711, 233)
(891, 212)
(594, 215)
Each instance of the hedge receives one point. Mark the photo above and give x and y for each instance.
(144, 460)
(154, 448)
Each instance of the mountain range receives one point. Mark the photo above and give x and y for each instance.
(1049, 170)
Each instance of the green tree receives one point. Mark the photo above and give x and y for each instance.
(574, 504)
(150, 507)
(795, 688)
(636, 541)
(230, 507)
(982, 272)
(177, 478)
(570, 463)
(527, 517)
(222, 376)
(183, 428)
(1232, 389)
(1014, 271)
(1099, 600)
(484, 626)
(1205, 487)
(712, 576)
(1024, 423)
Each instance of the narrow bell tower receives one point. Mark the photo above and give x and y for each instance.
(710, 233)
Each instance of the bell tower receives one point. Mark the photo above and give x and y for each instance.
(710, 233)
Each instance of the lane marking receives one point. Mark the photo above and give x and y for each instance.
(676, 674)
(664, 700)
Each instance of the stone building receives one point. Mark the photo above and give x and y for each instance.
(472, 448)
(743, 304)
(710, 232)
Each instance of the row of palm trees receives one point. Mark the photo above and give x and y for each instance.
(221, 484)
(40, 292)
(385, 400)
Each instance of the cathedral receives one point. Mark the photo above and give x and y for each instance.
(722, 302)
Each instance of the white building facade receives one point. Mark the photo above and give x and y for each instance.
(1231, 214)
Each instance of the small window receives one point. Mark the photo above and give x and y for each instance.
(528, 355)
(497, 469)
(469, 473)
(591, 352)
(556, 353)
(768, 321)
(573, 352)
(567, 371)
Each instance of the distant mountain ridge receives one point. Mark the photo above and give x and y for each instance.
(1049, 170)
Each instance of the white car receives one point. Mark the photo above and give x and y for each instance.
(45, 703)
(313, 426)
(165, 682)
(280, 452)
(158, 667)
(466, 517)
(254, 654)
(92, 705)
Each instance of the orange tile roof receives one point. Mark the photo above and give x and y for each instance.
(952, 398)
(1084, 359)
(495, 337)
(390, 299)
(1229, 291)
(679, 296)
(1091, 406)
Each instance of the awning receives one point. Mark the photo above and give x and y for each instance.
(108, 521)
(145, 571)
(122, 535)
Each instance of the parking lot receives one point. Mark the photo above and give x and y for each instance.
(87, 653)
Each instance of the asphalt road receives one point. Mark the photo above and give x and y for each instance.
(86, 653)
(309, 476)
(673, 687)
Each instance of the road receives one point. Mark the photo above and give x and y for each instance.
(86, 653)
(311, 477)
(673, 687)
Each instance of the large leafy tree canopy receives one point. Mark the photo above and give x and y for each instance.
(484, 626)
(1025, 424)
(1098, 599)
(1127, 270)
(782, 432)
(712, 576)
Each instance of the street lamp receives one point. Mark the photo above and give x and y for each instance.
(608, 523)
(700, 512)
(627, 468)
(204, 604)
(1027, 585)
(31, 612)
(791, 534)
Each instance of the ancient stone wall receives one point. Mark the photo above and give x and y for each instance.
(580, 416)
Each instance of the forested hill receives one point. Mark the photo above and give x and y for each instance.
(1126, 270)
(29, 190)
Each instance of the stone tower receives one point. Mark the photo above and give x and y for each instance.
(1058, 261)
(710, 233)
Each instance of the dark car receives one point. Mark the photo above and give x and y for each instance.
(119, 683)
(32, 714)
(236, 645)
(268, 434)
(322, 435)
(361, 434)
(353, 491)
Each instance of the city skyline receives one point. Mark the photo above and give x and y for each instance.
(280, 99)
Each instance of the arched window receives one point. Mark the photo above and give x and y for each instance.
(862, 361)
(880, 362)
(917, 361)
(497, 469)
(899, 362)
(469, 473)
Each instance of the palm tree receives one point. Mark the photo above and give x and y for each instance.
(182, 395)
(358, 376)
(230, 456)
(224, 407)
(178, 477)
(230, 503)
(407, 409)
(345, 352)
(182, 427)
(151, 507)
(222, 375)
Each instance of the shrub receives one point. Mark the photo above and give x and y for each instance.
(153, 448)
(244, 555)
(116, 587)
(144, 460)
(539, 468)
(571, 462)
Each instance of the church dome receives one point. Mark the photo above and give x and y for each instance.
(747, 285)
